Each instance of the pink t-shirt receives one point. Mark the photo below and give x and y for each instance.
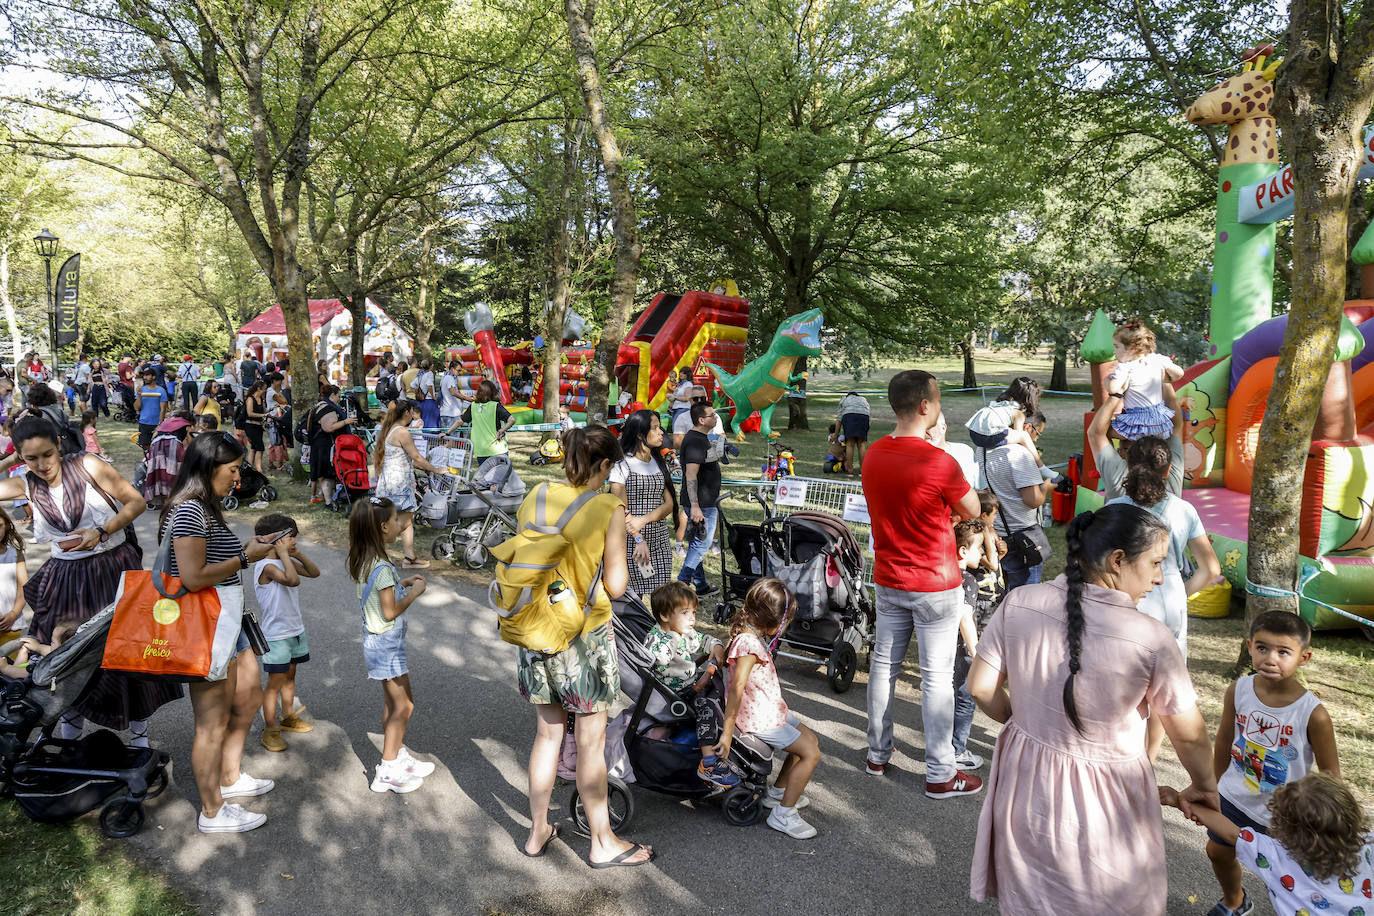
(762, 707)
(92, 443)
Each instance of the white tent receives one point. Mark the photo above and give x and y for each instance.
(331, 327)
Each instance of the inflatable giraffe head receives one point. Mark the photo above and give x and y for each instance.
(1243, 102)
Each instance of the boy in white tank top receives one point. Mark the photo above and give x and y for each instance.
(1272, 732)
(276, 580)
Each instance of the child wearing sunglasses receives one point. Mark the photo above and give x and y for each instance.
(755, 704)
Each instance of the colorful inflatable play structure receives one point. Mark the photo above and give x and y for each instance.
(1225, 395)
(690, 330)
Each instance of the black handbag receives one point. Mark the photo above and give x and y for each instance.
(252, 631)
(1027, 547)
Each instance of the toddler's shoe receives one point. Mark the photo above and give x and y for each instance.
(788, 821)
(968, 760)
(392, 776)
(272, 739)
(773, 797)
(294, 723)
(246, 787)
(1247, 906)
(717, 773)
(873, 767)
(961, 784)
(230, 819)
(420, 768)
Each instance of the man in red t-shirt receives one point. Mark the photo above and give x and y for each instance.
(915, 492)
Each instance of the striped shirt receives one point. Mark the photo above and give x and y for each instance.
(191, 520)
(1010, 468)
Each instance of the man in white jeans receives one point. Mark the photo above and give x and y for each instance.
(915, 492)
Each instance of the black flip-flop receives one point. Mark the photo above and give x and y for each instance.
(553, 835)
(619, 861)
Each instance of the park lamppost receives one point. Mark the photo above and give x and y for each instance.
(46, 244)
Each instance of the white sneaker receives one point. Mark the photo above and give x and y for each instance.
(772, 798)
(421, 768)
(258, 504)
(246, 787)
(230, 819)
(790, 823)
(968, 760)
(392, 776)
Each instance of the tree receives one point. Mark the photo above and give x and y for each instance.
(27, 187)
(1323, 95)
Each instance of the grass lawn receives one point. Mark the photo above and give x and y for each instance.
(71, 869)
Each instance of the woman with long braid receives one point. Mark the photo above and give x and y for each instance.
(1071, 823)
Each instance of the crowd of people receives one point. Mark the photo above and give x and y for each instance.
(1086, 673)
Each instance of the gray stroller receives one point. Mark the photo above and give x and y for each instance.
(58, 780)
(477, 514)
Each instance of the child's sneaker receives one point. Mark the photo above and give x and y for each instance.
(717, 773)
(788, 821)
(1247, 906)
(873, 767)
(961, 784)
(420, 768)
(773, 797)
(294, 723)
(392, 776)
(230, 819)
(968, 760)
(272, 739)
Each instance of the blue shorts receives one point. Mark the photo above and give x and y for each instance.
(385, 653)
(784, 736)
(1240, 819)
(283, 653)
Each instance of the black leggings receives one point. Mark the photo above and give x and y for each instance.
(100, 399)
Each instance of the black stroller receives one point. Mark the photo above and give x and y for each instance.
(253, 484)
(817, 556)
(58, 780)
(661, 739)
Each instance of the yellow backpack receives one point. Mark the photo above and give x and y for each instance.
(535, 608)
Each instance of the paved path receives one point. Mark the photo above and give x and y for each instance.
(331, 846)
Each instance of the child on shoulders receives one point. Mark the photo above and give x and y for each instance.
(1316, 856)
(1139, 379)
(677, 647)
(1003, 421)
(1273, 731)
(276, 581)
(755, 704)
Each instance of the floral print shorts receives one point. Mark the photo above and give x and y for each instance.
(584, 678)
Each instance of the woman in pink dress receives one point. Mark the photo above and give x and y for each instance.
(1072, 822)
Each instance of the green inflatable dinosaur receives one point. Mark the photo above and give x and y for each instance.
(763, 381)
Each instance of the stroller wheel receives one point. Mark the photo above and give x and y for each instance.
(475, 556)
(840, 667)
(742, 807)
(230, 502)
(121, 818)
(442, 548)
(722, 613)
(269, 493)
(618, 799)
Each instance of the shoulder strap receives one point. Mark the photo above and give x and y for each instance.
(160, 562)
(987, 479)
(79, 466)
(372, 581)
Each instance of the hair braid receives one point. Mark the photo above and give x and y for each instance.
(1073, 571)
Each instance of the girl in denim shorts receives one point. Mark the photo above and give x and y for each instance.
(383, 597)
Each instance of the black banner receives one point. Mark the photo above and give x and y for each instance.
(65, 301)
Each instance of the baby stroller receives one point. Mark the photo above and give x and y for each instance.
(817, 556)
(661, 738)
(350, 472)
(253, 485)
(478, 515)
(57, 780)
(122, 400)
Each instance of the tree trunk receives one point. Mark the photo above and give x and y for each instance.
(1322, 99)
(357, 363)
(966, 350)
(424, 317)
(559, 268)
(796, 407)
(6, 303)
(623, 219)
(1059, 372)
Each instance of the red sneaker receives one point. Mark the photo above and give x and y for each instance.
(961, 784)
(873, 768)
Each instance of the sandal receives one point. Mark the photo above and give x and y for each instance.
(619, 861)
(413, 563)
(553, 835)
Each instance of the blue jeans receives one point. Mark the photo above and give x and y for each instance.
(692, 570)
(934, 618)
(963, 702)
(1016, 575)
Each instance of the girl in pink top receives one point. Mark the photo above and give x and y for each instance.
(89, 434)
(755, 704)
(1071, 821)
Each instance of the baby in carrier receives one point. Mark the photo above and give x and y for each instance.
(677, 648)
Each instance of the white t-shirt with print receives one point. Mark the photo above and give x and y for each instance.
(1293, 891)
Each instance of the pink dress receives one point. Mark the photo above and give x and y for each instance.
(1071, 823)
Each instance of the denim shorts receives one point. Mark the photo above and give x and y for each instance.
(784, 736)
(283, 653)
(1240, 819)
(385, 653)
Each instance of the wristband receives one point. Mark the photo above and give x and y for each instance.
(243, 560)
(638, 539)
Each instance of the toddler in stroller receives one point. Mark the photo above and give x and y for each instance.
(57, 780)
(253, 485)
(661, 739)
